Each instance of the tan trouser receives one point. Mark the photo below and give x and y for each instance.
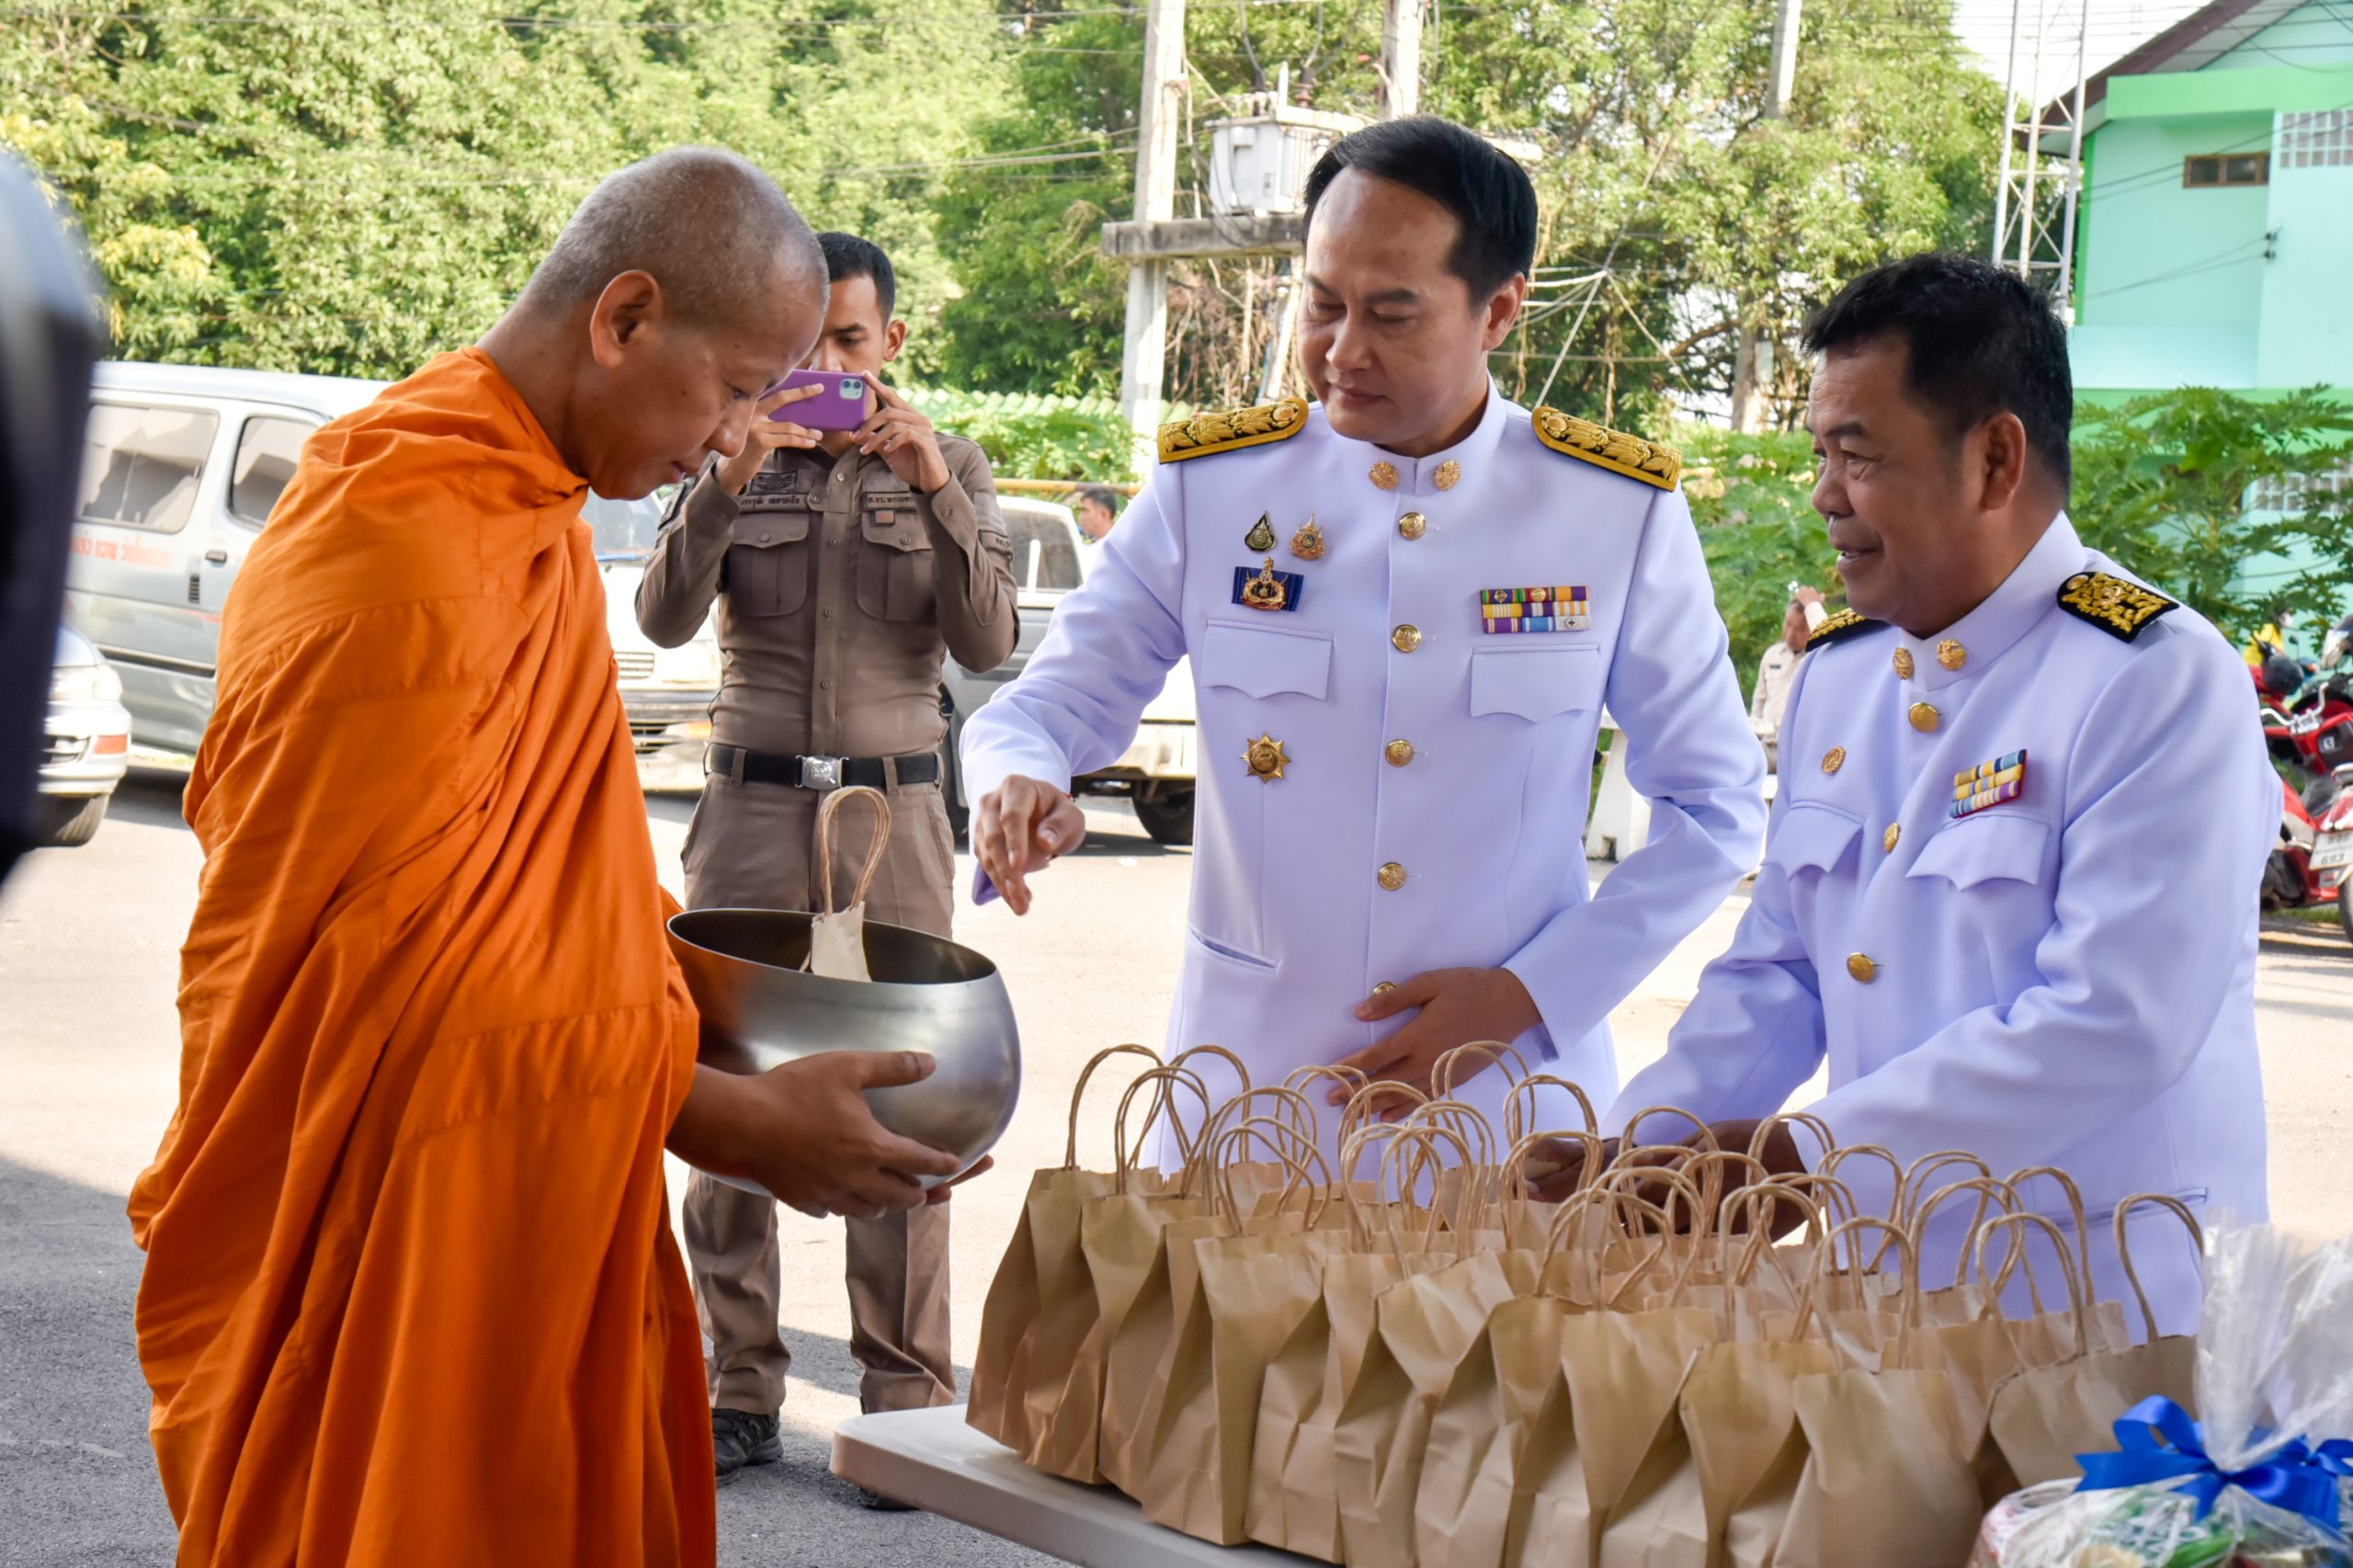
(752, 846)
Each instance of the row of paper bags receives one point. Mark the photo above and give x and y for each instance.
(1426, 1365)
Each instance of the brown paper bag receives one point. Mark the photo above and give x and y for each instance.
(1423, 1326)
(2043, 1417)
(1294, 1501)
(1508, 1396)
(1040, 1307)
(1150, 1253)
(1887, 1478)
(1253, 1290)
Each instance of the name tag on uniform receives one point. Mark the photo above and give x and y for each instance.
(1506, 612)
(1988, 784)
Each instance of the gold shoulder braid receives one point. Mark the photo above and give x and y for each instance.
(1232, 430)
(2116, 607)
(1840, 627)
(1619, 453)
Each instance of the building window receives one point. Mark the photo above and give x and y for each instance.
(2324, 140)
(2292, 495)
(2226, 168)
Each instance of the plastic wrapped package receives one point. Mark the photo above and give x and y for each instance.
(2262, 1481)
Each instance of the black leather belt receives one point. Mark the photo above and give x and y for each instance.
(819, 772)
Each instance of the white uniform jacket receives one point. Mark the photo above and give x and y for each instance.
(1430, 806)
(2010, 891)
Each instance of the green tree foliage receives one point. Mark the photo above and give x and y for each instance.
(2235, 507)
(352, 186)
(1758, 528)
(1037, 436)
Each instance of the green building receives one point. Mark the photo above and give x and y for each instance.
(2214, 239)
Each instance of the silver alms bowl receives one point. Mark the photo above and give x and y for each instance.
(759, 1010)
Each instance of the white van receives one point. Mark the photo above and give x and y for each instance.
(182, 465)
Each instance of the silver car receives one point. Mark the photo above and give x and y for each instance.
(1050, 558)
(182, 465)
(87, 737)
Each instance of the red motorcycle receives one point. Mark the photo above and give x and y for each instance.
(2313, 862)
(2320, 726)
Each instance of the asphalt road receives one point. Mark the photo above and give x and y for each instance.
(88, 1063)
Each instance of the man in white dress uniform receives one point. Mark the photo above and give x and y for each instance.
(1406, 605)
(2011, 887)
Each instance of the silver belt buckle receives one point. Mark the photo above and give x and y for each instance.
(822, 772)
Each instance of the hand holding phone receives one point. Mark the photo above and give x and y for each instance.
(839, 402)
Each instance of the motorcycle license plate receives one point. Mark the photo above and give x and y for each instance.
(2332, 849)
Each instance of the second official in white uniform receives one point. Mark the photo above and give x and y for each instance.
(2010, 886)
(1403, 650)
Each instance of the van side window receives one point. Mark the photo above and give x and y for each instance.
(266, 452)
(141, 466)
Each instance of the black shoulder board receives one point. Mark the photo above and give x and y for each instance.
(1840, 627)
(2116, 607)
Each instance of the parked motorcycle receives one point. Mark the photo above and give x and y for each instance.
(2313, 862)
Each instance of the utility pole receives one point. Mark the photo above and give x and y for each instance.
(1401, 59)
(1143, 367)
(1753, 351)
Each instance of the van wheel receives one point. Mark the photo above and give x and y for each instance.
(1166, 817)
(69, 823)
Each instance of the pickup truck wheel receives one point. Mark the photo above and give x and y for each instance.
(68, 824)
(1166, 817)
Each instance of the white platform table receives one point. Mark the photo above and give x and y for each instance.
(931, 1458)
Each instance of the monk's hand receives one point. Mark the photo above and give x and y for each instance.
(804, 1131)
(1023, 826)
(766, 435)
(1451, 1007)
(904, 439)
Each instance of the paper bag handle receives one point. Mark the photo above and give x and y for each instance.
(877, 846)
(1516, 1113)
(1494, 1051)
(1166, 1079)
(1989, 1191)
(2059, 1245)
(1070, 1149)
(2081, 1259)
(2124, 1248)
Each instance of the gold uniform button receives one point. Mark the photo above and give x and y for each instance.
(1384, 988)
(1265, 757)
(1887, 840)
(1904, 663)
(1384, 476)
(1449, 474)
(1406, 639)
(1860, 965)
(1393, 876)
(1834, 760)
(1951, 655)
(1924, 717)
(1399, 753)
(1413, 525)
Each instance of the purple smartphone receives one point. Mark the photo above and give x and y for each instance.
(840, 403)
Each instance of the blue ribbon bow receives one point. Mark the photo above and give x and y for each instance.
(2298, 1478)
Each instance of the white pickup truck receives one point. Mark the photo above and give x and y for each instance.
(1050, 558)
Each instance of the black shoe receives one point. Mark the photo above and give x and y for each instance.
(882, 1504)
(738, 1439)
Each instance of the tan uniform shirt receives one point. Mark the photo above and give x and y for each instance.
(839, 590)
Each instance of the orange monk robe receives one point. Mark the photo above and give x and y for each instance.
(411, 1296)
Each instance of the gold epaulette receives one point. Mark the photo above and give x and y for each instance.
(1232, 430)
(1619, 453)
(2116, 607)
(1839, 627)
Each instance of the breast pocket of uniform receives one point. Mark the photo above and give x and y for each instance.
(1811, 837)
(895, 564)
(767, 562)
(1992, 848)
(1261, 662)
(1536, 684)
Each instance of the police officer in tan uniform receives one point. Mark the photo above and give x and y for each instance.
(845, 565)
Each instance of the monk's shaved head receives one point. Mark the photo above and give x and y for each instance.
(708, 226)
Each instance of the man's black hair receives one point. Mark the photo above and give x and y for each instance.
(1978, 342)
(1489, 195)
(847, 256)
(1103, 495)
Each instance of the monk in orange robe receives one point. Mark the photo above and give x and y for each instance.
(411, 1296)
